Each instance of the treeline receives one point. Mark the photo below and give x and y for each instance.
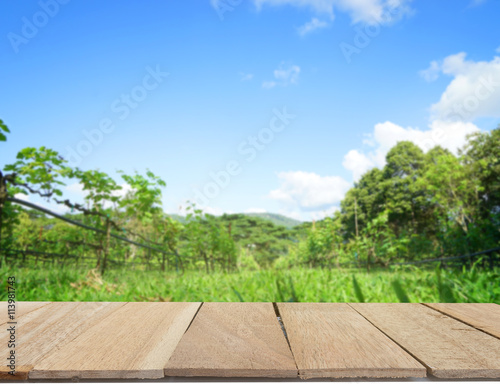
(420, 205)
(203, 241)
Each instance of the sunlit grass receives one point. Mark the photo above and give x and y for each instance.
(406, 284)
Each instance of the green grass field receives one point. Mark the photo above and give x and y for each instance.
(406, 284)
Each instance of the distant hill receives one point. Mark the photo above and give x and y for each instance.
(276, 219)
(179, 218)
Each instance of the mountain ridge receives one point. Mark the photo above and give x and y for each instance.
(275, 218)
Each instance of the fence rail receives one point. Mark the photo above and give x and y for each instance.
(16, 256)
(493, 260)
(23, 257)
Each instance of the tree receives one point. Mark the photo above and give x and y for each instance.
(378, 242)
(481, 156)
(209, 240)
(363, 202)
(324, 243)
(3, 131)
(453, 192)
(101, 192)
(143, 216)
(36, 171)
(405, 200)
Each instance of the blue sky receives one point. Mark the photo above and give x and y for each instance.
(258, 105)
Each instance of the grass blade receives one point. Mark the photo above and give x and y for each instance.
(400, 292)
(357, 290)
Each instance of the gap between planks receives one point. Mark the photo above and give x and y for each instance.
(133, 342)
(233, 340)
(332, 340)
(428, 369)
(50, 327)
(283, 328)
(282, 324)
(449, 348)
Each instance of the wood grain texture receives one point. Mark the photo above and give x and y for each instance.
(333, 340)
(22, 307)
(485, 317)
(233, 340)
(449, 348)
(48, 328)
(133, 342)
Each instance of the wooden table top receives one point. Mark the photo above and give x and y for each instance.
(102, 340)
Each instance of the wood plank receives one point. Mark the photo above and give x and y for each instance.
(22, 307)
(233, 340)
(49, 327)
(333, 340)
(449, 348)
(485, 317)
(133, 342)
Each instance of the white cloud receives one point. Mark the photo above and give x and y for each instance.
(309, 190)
(77, 194)
(41, 202)
(255, 210)
(360, 11)
(76, 188)
(284, 76)
(308, 196)
(293, 213)
(215, 211)
(473, 92)
(320, 215)
(358, 163)
(311, 26)
(22, 196)
(287, 75)
(432, 73)
(126, 188)
(268, 84)
(447, 134)
(246, 76)
(307, 215)
(475, 3)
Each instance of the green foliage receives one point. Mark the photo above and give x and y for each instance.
(481, 157)
(400, 291)
(240, 298)
(144, 199)
(305, 285)
(453, 191)
(357, 290)
(425, 205)
(38, 171)
(258, 237)
(283, 287)
(276, 219)
(99, 188)
(417, 206)
(209, 240)
(323, 243)
(444, 287)
(3, 131)
(246, 261)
